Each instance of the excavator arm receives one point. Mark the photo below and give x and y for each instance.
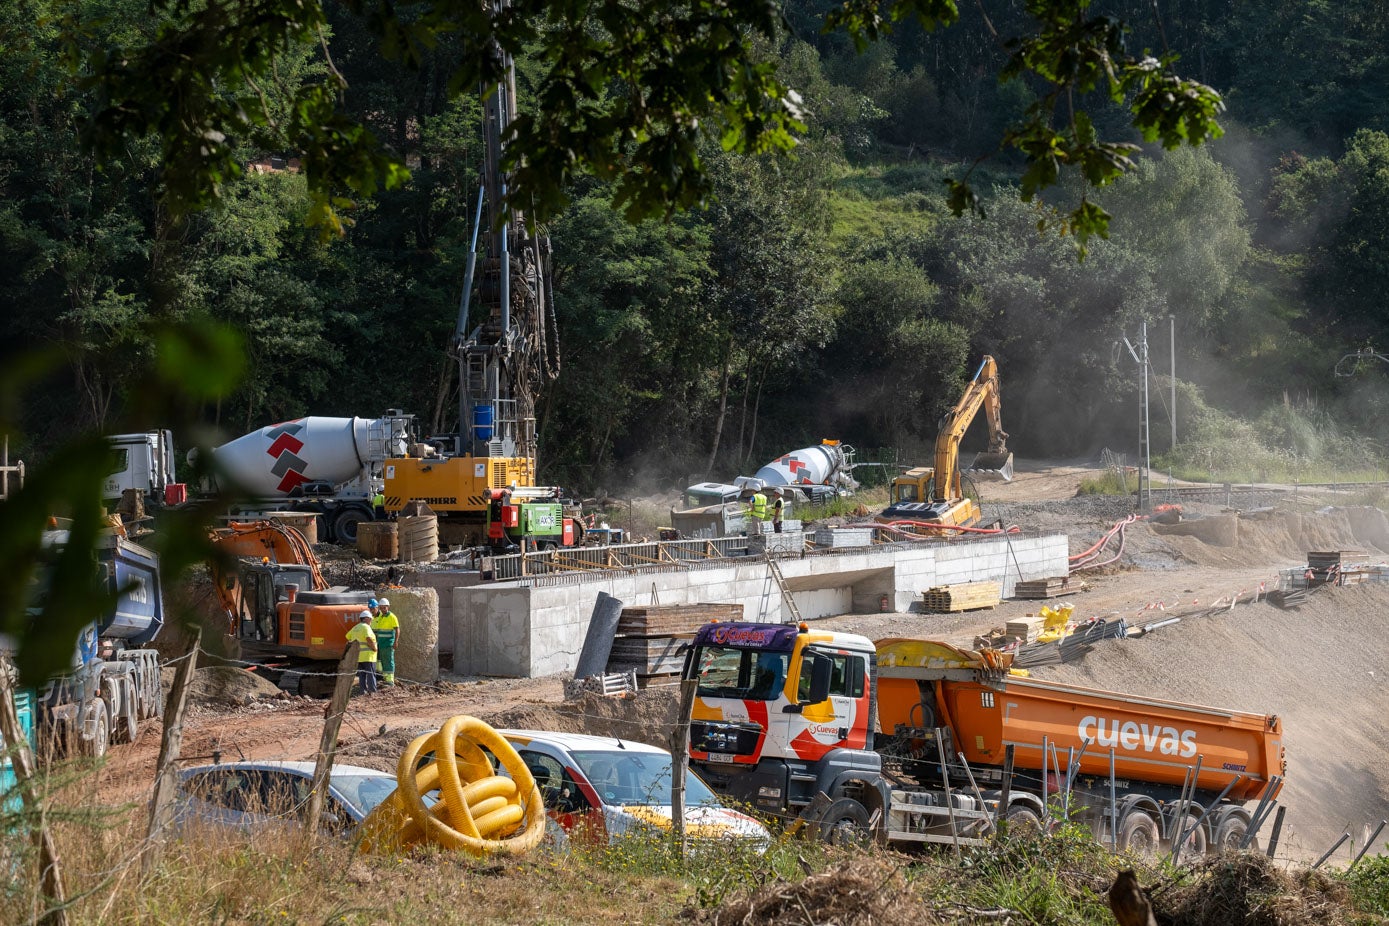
(982, 392)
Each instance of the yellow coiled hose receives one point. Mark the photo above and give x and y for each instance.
(477, 811)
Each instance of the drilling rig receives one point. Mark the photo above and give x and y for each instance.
(481, 482)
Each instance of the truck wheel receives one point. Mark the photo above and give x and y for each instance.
(1139, 834)
(1195, 847)
(1230, 828)
(1022, 820)
(345, 524)
(96, 722)
(128, 724)
(845, 823)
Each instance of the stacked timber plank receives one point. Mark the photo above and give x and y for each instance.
(1337, 567)
(650, 640)
(965, 596)
(1025, 628)
(1052, 587)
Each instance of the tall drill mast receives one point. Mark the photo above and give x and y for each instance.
(508, 357)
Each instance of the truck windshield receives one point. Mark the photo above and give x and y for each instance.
(727, 672)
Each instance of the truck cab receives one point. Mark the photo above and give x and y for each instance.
(782, 713)
(143, 461)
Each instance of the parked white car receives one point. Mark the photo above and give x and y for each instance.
(600, 788)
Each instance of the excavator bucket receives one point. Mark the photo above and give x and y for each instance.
(997, 466)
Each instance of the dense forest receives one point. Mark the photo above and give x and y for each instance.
(825, 293)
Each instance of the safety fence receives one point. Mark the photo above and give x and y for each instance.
(1254, 495)
(549, 568)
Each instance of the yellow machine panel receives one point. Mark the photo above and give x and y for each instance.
(454, 484)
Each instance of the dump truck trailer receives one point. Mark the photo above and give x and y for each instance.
(908, 741)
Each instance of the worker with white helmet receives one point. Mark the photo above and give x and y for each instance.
(386, 626)
(361, 632)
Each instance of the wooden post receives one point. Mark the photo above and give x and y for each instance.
(680, 761)
(25, 771)
(166, 772)
(328, 742)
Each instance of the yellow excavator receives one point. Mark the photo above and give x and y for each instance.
(932, 498)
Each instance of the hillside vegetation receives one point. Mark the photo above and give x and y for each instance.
(829, 293)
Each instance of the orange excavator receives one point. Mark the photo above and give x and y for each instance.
(276, 601)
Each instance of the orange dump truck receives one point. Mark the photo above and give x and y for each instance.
(910, 738)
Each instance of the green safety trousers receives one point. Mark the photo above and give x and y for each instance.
(385, 655)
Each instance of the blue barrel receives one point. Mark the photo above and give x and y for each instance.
(482, 422)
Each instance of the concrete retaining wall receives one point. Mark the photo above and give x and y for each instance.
(537, 628)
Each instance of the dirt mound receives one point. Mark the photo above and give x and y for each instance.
(1275, 536)
(648, 716)
(225, 686)
(1322, 669)
(866, 891)
(1252, 890)
(382, 752)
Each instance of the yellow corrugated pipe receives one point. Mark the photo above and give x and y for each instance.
(477, 811)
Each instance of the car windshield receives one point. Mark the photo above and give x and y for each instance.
(364, 792)
(638, 778)
(726, 672)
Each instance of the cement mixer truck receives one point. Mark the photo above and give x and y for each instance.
(908, 741)
(329, 466)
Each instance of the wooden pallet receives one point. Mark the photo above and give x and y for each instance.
(1052, 587)
(666, 620)
(967, 596)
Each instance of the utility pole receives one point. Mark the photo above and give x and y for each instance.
(1172, 408)
(1140, 356)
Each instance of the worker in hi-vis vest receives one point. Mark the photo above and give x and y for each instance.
(386, 626)
(366, 656)
(758, 505)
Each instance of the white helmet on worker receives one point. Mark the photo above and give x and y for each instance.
(364, 615)
(383, 602)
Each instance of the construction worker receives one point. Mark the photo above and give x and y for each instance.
(777, 507)
(361, 632)
(386, 626)
(758, 505)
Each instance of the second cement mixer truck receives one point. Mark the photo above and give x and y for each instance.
(329, 466)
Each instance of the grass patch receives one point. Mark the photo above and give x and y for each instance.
(1106, 483)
